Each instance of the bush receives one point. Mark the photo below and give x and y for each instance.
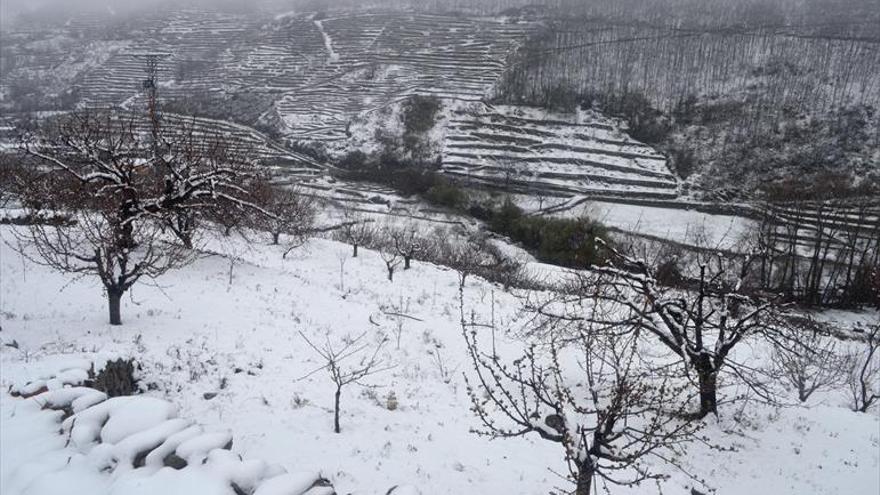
(668, 273)
(420, 113)
(682, 161)
(560, 241)
(116, 378)
(405, 177)
(445, 193)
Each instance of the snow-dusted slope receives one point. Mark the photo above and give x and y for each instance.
(534, 150)
(230, 323)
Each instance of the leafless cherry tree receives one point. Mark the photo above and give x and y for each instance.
(864, 372)
(100, 170)
(356, 230)
(701, 325)
(365, 361)
(475, 256)
(806, 357)
(386, 243)
(592, 394)
(293, 213)
(407, 243)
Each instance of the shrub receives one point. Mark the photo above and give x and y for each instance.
(420, 113)
(682, 161)
(560, 241)
(405, 177)
(116, 378)
(447, 194)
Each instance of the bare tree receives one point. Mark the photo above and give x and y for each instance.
(100, 170)
(806, 357)
(228, 217)
(336, 358)
(356, 230)
(863, 377)
(407, 243)
(475, 256)
(701, 325)
(388, 252)
(293, 213)
(608, 420)
(341, 257)
(95, 243)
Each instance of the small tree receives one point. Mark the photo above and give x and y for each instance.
(336, 358)
(475, 256)
(293, 213)
(228, 216)
(389, 253)
(863, 378)
(806, 357)
(407, 244)
(356, 231)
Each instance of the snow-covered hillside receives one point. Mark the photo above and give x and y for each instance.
(230, 325)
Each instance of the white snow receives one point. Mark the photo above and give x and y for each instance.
(230, 325)
(134, 416)
(287, 483)
(680, 225)
(168, 447)
(196, 449)
(328, 42)
(143, 441)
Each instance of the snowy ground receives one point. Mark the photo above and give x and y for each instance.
(683, 226)
(229, 324)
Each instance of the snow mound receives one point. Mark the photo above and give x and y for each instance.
(139, 439)
(136, 415)
(197, 448)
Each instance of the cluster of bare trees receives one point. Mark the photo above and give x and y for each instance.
(821, 253)
(471, 254)
(668, 56)
(619, 368)
(133, 205)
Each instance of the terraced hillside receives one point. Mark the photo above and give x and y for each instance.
(836, 228)
(307, 79)
(311, 72)
(541, 153)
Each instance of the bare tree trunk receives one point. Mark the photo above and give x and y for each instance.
(355, 255)
(336, 410)
(584, 479)
(391, 274)
(708, 382)
(406, 262)
(185, 228)
(275, 237)
(114, 298)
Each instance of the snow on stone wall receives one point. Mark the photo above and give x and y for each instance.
(71, 438)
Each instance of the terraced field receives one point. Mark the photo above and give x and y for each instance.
(831, 227)
(541, 153)
(316, 70)
(308, 76)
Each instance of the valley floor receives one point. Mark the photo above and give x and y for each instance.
(230, 324)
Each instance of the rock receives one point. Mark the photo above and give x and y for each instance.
(174, 461)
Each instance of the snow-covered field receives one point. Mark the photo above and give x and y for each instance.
(678, 225)
(230, 324)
